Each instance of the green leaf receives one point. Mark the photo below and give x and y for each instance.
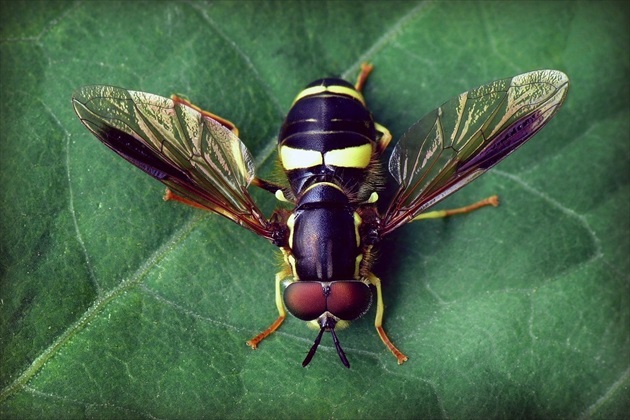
(116, 304)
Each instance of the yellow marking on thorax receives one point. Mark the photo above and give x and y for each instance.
(289, 259)
(341, 90)
(280, 196)
(357, 265)
(357, 223)
(291, 225)
(292, 264)
(329, 184)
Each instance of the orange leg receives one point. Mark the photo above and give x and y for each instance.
(378, 322)
(169, 195)
(253, 343)
(272, 187)
(490, 201)
(385, 136)
(366, 69)
(226, 123)
(383, 140)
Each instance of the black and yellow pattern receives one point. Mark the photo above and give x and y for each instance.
(329, 147)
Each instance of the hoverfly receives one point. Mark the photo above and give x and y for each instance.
(329, 147)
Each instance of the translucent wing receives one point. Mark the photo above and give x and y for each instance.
(466, 136)
(194, 155)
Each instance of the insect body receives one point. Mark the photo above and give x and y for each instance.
(329, 147)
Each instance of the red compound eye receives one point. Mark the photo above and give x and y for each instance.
(349, 300)
(305, 299)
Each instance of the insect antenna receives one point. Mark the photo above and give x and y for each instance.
(340, 352)
(313, 349)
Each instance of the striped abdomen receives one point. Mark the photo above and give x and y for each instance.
(328, 136)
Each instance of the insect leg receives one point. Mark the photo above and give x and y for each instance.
(226, 123)
(385, 135)
(366, 69)
(261, 183)
(282, 314)
(383, 140)
(378, 323)
(169, 195)
(490, 201)
(273, 188)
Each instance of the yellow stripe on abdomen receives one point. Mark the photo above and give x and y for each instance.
(292, 158)
(340, 90)
(350, 157)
